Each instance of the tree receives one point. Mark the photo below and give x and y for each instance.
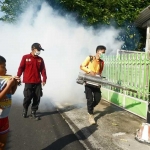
(12, 9)
(86, 11)
(119, 13)
(103, 11)
(96, 13)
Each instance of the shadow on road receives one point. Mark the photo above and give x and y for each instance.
(64, 141)
(41, 114)
(107, 110)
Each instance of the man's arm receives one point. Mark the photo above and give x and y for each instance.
(84, 65)
(21, 67)
(43, 72)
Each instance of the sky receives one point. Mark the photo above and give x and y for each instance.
(66, 45)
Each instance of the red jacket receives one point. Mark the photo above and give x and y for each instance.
(32, 68)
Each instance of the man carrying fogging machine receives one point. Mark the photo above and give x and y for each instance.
(93, 66)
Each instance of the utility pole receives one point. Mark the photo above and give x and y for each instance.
(148, 40)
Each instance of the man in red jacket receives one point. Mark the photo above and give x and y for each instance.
(32, 66)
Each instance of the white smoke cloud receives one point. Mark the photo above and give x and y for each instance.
(66, 45)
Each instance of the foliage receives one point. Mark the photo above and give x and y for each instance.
(133, 38)
(12, 9)
(103, 11)
(119, 13)
(96, 13)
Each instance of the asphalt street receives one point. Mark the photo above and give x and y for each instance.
(69, 129)
(50, 133)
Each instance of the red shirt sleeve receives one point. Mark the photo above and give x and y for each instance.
(43, 71)
(21, 67)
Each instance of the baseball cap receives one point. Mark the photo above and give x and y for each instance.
(37, 46)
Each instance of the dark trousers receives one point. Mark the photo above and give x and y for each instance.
(93, 96)
(32, 92)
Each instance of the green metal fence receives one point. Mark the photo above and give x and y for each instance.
(130, 70)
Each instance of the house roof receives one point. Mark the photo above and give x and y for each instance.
(143, 19)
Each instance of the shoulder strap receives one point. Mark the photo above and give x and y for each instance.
(91, 58)
(101, 65)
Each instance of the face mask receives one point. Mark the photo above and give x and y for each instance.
(37, 53)
(101, 55)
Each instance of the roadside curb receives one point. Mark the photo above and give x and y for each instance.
(79, 133)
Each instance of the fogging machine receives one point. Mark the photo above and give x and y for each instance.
(97, 81)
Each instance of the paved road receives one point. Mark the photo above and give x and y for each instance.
(49, 133)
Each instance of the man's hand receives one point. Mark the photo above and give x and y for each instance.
(43, 83)
(18, 80)
(98, 74)
(92, 73)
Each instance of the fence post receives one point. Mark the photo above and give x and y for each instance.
(148, 40)
(148, 53)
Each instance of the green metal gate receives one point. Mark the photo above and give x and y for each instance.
(133, 71)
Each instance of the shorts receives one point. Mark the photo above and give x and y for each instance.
(4, 125)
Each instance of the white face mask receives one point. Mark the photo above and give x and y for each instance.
(37, 53)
